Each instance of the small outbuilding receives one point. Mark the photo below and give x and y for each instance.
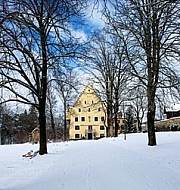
(34, 136)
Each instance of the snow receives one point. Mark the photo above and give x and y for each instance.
(173, 107)
(109, 163)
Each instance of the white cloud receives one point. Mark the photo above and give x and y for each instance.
(80, 34)
(95, 15)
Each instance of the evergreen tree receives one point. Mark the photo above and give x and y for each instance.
(32, 118)
(130, 127)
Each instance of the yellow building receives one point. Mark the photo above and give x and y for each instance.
(87, 118)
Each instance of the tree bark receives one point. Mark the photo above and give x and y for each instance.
(43, 92)
(150, 123)
(42, 126)
(116, 106)
(65, 122)
(53, 125)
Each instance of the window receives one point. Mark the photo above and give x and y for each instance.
(77, 127)
(99, 109)
(95, 118)
(79, 109)
(76, 119)
(102, 118)
(89, 109)
(101, 127)
(77, 136)
(85, 102)
(82, 118)
(92, 102)
(90, 127)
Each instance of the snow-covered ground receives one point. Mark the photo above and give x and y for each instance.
(106, 164)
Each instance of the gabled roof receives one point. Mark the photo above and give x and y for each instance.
(87, 90)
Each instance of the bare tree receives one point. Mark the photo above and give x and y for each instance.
(51, 109)
(139, 103)
(153, 29)
(100, 69)
(109, 69)
(34, 36)
(67, 85)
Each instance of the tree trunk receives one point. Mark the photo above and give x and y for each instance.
(42, 126)
(108, 128)
(150, 118)
(116, 114)
(109, 121)
(116, 126)
(53, 125)
(43, 91)
(65, 122)
(108, 131)
(138, 121)
(151, 129)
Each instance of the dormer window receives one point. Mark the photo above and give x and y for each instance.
(92, 102)
(89, 109)
(79, 109)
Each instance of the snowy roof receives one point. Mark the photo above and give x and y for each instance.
(173, 107)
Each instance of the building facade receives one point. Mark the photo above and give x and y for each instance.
(87, 118)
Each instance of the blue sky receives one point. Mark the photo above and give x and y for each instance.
(92, 22)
